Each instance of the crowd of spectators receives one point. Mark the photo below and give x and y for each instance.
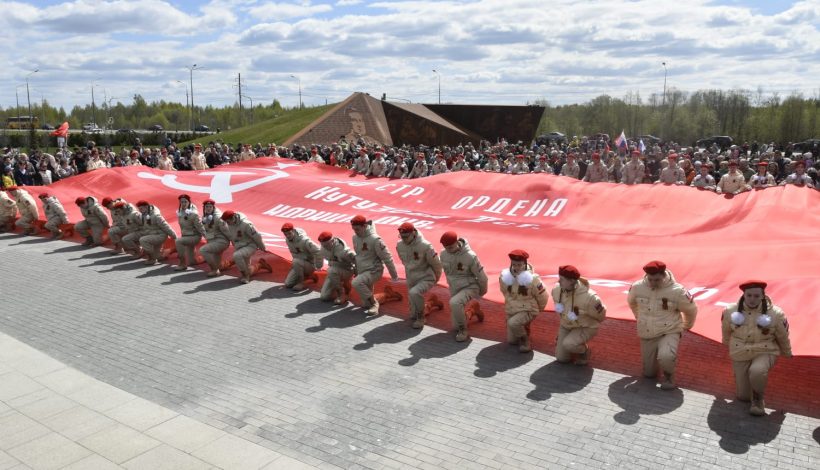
(592, 159)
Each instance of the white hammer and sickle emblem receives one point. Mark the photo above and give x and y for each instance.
(221, 190)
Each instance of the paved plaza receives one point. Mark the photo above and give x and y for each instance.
(107, 363)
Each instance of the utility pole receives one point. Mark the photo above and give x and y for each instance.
(439, 85)
(299, 81)
(30, 118)
(191, 70)
(664, 84)
(239, 80)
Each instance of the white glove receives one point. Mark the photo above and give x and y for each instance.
(572, 316)
(764, 321)
(738, 318)
(507, 277)
(559, 308)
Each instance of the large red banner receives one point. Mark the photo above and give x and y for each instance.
(710, 242)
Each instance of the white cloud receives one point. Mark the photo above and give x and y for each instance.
(505, 51)
(283, 10)
(344, 3)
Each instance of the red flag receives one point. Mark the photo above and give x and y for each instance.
(61, 131)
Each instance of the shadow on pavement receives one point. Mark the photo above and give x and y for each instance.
(641, 396)
(184, 277)
(816, 435)
(738, 430)
(157, 270)
(499, 357)
(131, 265)
(343, 318)
(556, 377)
(214, 286)
(32, 241)
(309, 306)
(110, 261)
(67, 249)
(390, 333)
(437, 346)
(105, 254)
(279, 292)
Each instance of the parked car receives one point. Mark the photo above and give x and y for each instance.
(649, 139)
(556, 137)
(125, 130)
(202, 128)
(156, 128)
(47, 127)
(722, 141)
(810, 145)
(91, 127)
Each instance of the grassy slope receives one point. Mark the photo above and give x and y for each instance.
(273, 130)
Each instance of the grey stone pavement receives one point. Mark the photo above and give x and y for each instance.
(327, 387)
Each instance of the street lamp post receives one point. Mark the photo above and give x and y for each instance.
(439, 85)
(191, 70)
(251, 100)
(299, 81)
(28, 97)
(664, 84)
(190, 120)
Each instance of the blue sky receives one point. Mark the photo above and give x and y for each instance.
(487, 51)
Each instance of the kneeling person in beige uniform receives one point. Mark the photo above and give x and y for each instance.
(191, 232)
(465, 277)
(371, 257)
(756, 332)
(305, 254)
(581, 312)
(55, 214)
(246, 241)
(341, 262)
(422, 268)
(217, 238)
(663, 309)
(155, 230)
(524, 298)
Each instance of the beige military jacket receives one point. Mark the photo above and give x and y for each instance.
(215, 227)
(583, 302)
(542, 167)
(153, 223)
(658, 311)
(26, 204)
(464, 270)
(493, 166)
(190, 223)
(460, 165)
(372, 254)
(596, 172)
(132, 219)
(166, 163)
(573, 171)
(8, 206)
(757, 181)
(440, 166)
(339, 256)
(672, 174)
(377, 167)
(198, 161)
(94, 213)
(522, 293)
(305, 249)
(53, 209)
(748, 340)
(243, 233)
(421, 263)
(633, 172)
(361, 164)
(705, 182)
(419, 170)
(731, 182)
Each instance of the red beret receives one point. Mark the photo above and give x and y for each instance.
(134, 153)
(209, 201)
(448, 238)
(287, 227)
(119, 204)
(358, 220)
(753, 284)
(228, 215)
(142, 203)
(655, 267)
(106, 201)
(197, 146)
(377, 154)
(313, 150)
(800, 163)
(672, 156)
(492, 155)
(542, 157)
(80, 200)
(569, 271)
(518, 255)
(407, 227)
(763, 164)
(732, 162)
(325, 236)
(596, 155)
(184, 196)
(43, 195)
(421, 155)
(636, 152)
(519, 156)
